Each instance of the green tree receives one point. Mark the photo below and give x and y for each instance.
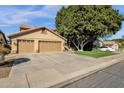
(83, 24)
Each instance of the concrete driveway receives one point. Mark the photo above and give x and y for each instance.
(63, 63)
(45, 70)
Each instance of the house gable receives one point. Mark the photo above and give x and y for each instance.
(42, 34)
(43, 30)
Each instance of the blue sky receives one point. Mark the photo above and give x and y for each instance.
(12, 16)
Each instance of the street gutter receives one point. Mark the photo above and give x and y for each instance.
(86, 72)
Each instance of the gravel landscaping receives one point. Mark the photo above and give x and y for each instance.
(5, 68)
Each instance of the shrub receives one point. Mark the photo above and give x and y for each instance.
(3, 52)
(7, 46)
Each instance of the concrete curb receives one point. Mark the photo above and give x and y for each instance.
(84, 72)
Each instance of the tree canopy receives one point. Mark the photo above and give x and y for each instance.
(83, 24)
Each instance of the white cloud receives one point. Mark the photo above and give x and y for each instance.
(12, 15)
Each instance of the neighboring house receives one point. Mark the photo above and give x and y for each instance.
(3, 39)
(113, 44)
(36, 40)
(97, 44)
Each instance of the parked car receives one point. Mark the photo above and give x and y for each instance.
(107, 48)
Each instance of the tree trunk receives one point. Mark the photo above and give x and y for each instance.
(82, 46)
(75, 45)
(88, 46)
(2, 58)
(88, 41)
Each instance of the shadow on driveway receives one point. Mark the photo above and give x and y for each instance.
(12, 62)
(5, 66)
(20, 61)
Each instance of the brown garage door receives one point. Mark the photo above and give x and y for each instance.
(25, 46)
(49, 46)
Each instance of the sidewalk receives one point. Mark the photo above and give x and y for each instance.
(46, 72)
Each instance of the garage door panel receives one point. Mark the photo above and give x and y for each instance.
(49, 46)
(25, 46)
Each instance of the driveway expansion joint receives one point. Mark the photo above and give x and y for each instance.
(27, 80)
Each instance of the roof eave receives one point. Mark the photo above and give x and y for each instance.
(18, 34)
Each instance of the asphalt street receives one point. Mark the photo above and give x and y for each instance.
(111, 77)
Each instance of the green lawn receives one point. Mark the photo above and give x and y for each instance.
(95, 54)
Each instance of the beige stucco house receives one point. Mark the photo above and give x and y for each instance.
(36, 40)
(113, 44)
